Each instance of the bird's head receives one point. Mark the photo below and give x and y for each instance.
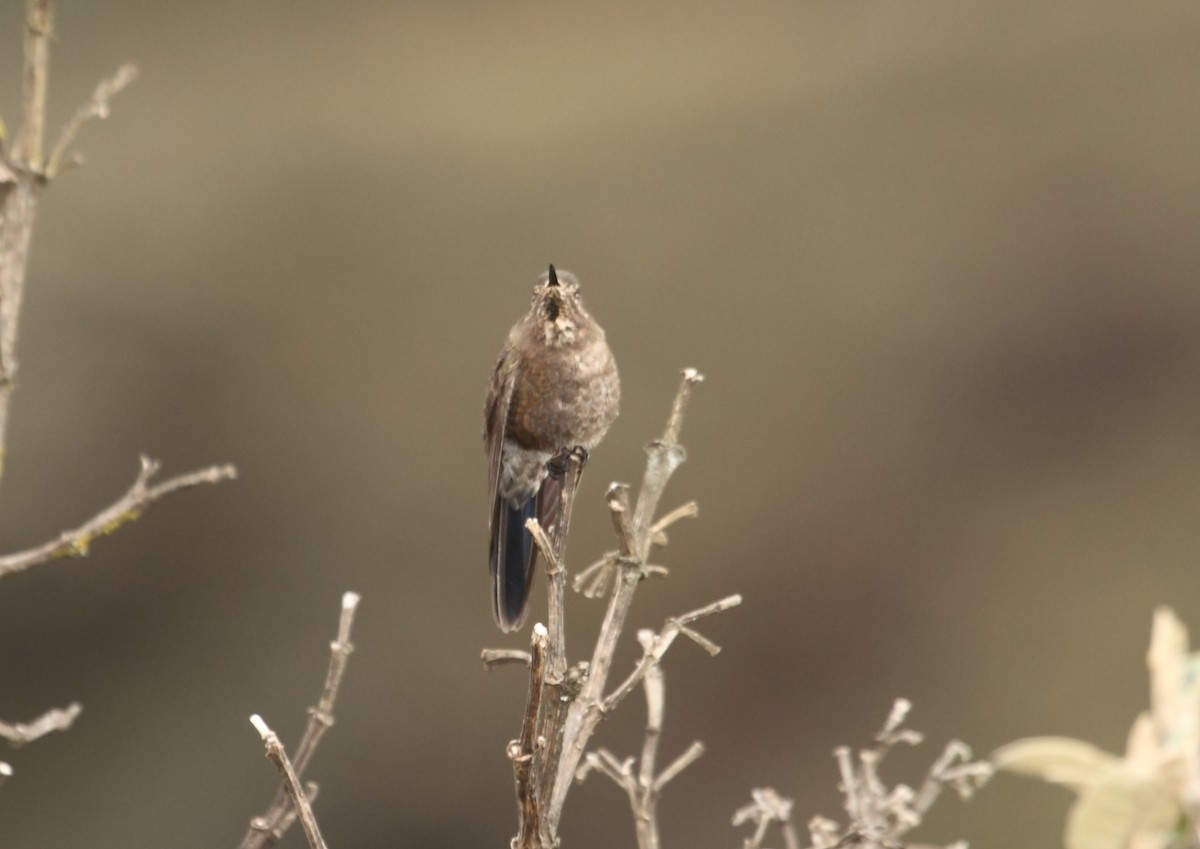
(558, 308)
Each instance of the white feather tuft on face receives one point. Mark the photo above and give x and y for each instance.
(560, 332)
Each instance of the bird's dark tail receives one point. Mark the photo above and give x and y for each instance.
(513, 555)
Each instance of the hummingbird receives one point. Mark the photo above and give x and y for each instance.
(554, 392)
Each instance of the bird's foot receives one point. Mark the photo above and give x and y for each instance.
(559, 462)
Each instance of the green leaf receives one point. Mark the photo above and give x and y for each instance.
(1059, 760)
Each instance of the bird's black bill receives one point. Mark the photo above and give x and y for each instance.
(553, 277)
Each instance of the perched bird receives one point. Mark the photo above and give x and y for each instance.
(555, 391)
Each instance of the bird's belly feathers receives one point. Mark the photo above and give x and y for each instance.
(564, 398)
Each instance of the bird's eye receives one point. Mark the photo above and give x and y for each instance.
(578, 297)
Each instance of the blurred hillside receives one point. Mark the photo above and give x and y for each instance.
(937, 260)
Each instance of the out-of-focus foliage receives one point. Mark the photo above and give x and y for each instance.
(1150, 798)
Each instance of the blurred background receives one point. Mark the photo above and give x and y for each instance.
(937, 260)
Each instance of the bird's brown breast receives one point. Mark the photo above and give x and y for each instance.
(564, 397)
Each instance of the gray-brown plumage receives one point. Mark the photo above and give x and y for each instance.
(555, 390)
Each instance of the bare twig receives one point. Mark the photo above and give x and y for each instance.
(767, 807)
(39, 27)
(57, 719)
(644, 787)
(689, 756)
(558, 680)
(270, 827)
(593, 581)
(96, 107)
(571, 701)
(132, 505)
(879, 816)
(635, 537)
(291, 782)
(23, 174)
(535, 765)
(685, 511)
(311, 789)
(18, 206)
(522, 751)
(658, 644)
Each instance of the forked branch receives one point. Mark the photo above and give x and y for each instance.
(879, 817)
(635, 534)
(135, 502)
(291, 798)
(644, 786)
(24, 172)
(565, 702)
(277, 755)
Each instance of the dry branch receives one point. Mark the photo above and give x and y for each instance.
(56, 719)
(24, 172)
(644, 787)
(879, 816)
(656, 646)
(96, 107)
(291, 782)
(135, 502)
(565, 702)
(635, 539)
(270, 827)
(522, 751)
(558, 681)
(766, 808)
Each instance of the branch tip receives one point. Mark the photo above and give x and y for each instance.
(96, 107)
(292, 801)
(260, 726)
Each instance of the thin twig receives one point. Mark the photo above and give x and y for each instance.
(270, 827)
(57, 719)
(24, 172)
(655, 689)
(645, 787)
(311, 789)
(767, 807)
(130, 506)
(96, 107)
(291, 782)
(658, 530)
(689, 757)
(543, 543)
(593, 580)
(602, 760)
(662, 641)
(879, 816)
